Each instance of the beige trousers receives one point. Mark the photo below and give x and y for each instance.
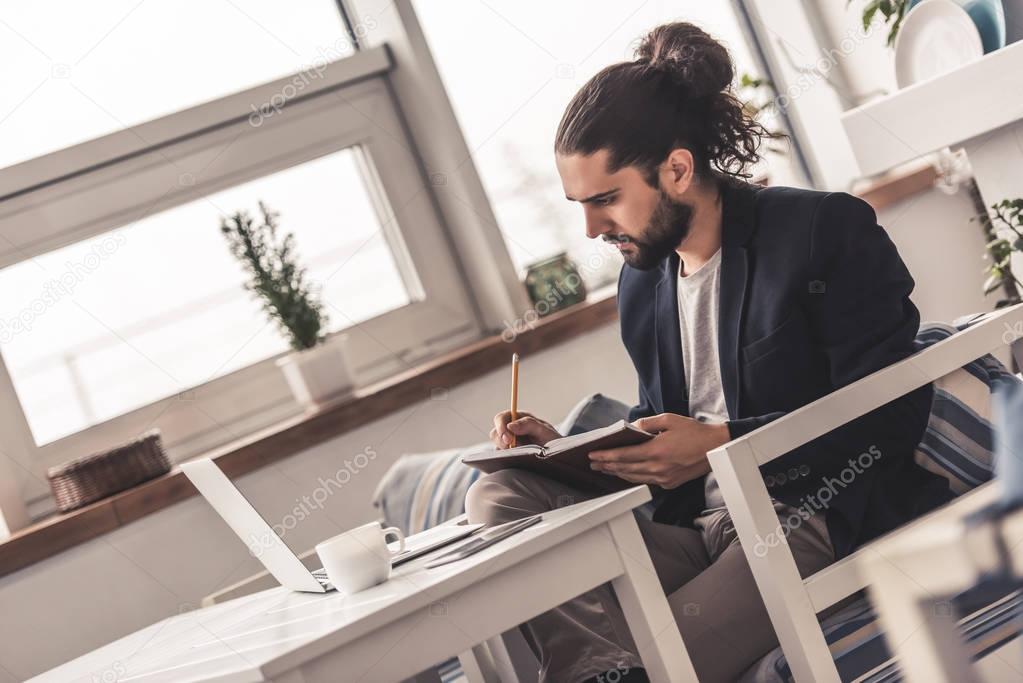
(703, 571)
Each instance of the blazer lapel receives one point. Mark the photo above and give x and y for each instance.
(737, 225)
(671, 371)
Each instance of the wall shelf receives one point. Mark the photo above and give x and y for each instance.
(948, 110)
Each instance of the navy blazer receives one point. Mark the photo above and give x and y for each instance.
(813, 296)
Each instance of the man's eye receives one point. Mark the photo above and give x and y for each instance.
(605, 201)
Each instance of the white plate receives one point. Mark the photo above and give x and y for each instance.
(937, 36)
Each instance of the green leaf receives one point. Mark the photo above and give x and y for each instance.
(869, 11)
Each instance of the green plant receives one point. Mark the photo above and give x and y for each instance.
(892, 11)
(275, 276)
(1005, 237)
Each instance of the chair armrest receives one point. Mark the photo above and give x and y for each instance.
(1001, 328)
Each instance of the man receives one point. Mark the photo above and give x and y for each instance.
(737, 305)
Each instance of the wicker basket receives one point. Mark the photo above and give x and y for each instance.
(96, 476)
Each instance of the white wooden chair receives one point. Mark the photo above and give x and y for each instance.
(793, 603)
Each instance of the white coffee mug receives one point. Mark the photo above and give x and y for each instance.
(359, 558)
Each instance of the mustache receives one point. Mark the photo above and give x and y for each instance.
(621, 239)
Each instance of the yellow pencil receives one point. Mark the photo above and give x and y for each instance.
(514, 393)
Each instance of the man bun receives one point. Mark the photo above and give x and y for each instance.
(690, 56)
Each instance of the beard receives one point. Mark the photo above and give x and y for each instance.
(669, 224)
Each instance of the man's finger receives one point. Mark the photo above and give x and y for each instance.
(638, 453)
(524, 425)
(500, 420)
(643, 467)
(653, 424)
(503, 418)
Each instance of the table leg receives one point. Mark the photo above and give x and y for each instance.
(646, 608)
(502, 660)
(478, 665)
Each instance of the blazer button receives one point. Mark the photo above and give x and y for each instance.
(769, 480)
(780, 478)
(804, 470)
(793, 473)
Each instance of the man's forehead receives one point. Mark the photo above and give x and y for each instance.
(587, 175)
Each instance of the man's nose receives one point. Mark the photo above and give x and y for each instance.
(596, 225)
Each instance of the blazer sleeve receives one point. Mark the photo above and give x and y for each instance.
(641, 409)
(861, 316)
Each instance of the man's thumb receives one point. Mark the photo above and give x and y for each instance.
(650, 424)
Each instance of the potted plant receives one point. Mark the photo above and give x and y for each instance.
(316, 370)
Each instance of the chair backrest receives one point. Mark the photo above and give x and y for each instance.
(958, 443)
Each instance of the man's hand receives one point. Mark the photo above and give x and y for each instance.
(527, 429)
(677, 454)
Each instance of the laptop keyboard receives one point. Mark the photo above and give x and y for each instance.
(321, 576)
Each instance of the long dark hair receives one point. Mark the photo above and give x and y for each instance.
(676, 93)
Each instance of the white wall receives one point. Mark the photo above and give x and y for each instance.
(167, 562)
(943, 250)
(868, 68)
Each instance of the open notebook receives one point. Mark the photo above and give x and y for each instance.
(565, 459)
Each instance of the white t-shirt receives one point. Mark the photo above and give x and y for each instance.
(698, 295)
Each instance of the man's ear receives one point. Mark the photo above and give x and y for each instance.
(677, 172)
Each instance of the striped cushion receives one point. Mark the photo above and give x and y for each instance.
(958, 442)
(958, 445)
(422, 490)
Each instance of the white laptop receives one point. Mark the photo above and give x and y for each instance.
(266, 546)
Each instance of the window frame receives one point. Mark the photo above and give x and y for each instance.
(106, 183)
(782, 30)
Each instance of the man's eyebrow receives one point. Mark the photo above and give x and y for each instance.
(592, 198)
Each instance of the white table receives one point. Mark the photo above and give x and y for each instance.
(417, 619)
(912, 573)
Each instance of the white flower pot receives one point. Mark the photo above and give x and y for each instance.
(319, 374)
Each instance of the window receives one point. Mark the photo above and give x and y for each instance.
(82, 347)
(88, 69)
(510, 79)
(154, 328)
